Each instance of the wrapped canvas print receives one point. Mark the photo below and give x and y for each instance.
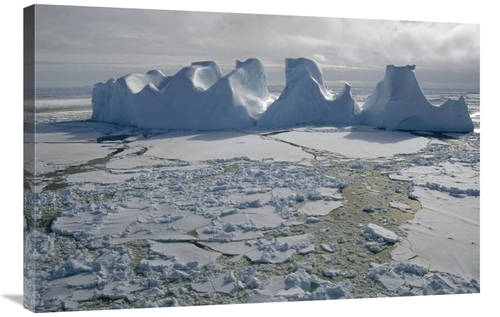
(183, 158)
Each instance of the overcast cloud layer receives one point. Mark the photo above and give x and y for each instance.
(80, 46)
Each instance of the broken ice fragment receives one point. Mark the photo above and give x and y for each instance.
(184, 254)
(369, 208)
(319, 208)
(329, 247)
(401, 206)
(313, 220)
(291, 292)
(391, 281)
(331, 272)
(222, 283)
(372, 231)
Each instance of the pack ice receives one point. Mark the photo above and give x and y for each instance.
(198, 97)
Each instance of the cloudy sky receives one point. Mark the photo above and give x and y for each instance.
(80, 46)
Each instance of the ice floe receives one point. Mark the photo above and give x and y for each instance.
(357, 144)
(407, 279)
(451, 226)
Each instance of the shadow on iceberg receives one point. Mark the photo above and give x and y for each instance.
(198, 97)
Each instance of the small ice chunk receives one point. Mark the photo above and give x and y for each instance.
(369, 208)
(401, 206)
(358, 165)
(270, 256)
(154, 292)
(222, 283)
(391, 281)
(319, 207)
(291, 292)
(331, 272)
(373, 230)
(204, 286)
(313, 220)
(307, 250)
(329, 247)
(230, 248)
(184, 254)
(306, 266)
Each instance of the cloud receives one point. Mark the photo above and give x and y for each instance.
(172, 39)
(319, 58)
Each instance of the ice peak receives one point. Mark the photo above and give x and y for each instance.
(346, 89)
(407, 67)
(304, 68)
(256, 62)
(305, 99)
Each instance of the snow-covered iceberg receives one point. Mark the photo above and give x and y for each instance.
(398, 103)
(197, 97)
(305, 100)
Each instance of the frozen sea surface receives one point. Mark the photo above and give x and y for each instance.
(126, 217)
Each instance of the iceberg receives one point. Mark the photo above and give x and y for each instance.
(398, 103)
(305, 100)
(197, 97)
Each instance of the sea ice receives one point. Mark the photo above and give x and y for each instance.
(182, 254)
(319, 208)
(99, 177)
(279, 250)
(404, 278)
(401, 206)
(443, 177)
(200, 203)
(299, 285)
(222, 283)
(357, 144)
(220, 145)
(451, 226)
(51, 157)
